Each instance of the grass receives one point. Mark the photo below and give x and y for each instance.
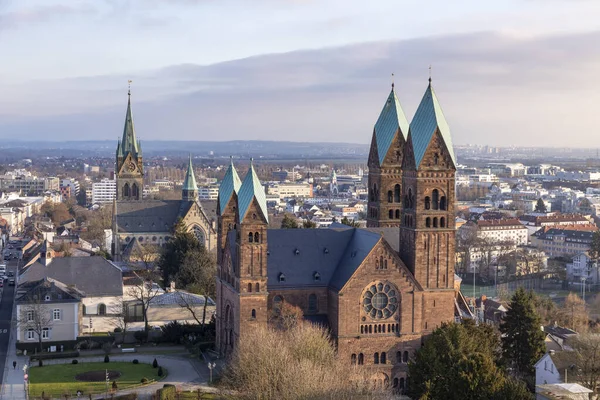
(59, 379)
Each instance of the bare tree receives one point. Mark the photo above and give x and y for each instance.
(119, 319)
(36, 317)
(144, 290)
(197, 275)
(186, 302)
(587, 350)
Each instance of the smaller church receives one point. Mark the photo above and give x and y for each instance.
(139, 222)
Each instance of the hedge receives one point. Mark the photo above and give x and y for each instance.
(51, 356)
(35, 347)
(167, 393)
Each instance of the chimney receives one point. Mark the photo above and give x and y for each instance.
(172, 286)
(46, 254)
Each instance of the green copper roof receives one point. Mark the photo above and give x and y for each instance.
(189, 183)
(252, 189)
(231, 184)
(129, 142)
(391, 118)
(119, 149)
(427, 119)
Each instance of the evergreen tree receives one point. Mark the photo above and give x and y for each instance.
(462, 361)
(348, 222)
(289, 222)
(595, 246)
(523, 339)
(176, 250)
(540, 206)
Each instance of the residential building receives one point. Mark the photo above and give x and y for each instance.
(104, 191)
(565, 240)
(583, 268)
(210, 192)
(503, 230)
(291, 190)
(24, 182)
(50, 309)
(379, 293)
(69, 188)
(282, 176)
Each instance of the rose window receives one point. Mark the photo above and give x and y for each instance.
(380, 300)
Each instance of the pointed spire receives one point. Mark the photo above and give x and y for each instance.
(252, 189)
(190, 188)
(428, 119)
(129, 142)
(391, 119)
(231, 184)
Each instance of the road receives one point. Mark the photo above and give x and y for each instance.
(6, 309)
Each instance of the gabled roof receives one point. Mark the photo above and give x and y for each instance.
(429, 118)
(148, 215)
(231, 184)
(58, 291)
(189, 183)
(252, 189)
(180, 298)
(129, 143)
(391, 119)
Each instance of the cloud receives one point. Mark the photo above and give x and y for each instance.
(495, 88)
(41, 14)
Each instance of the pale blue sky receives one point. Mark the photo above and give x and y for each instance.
(63, 60)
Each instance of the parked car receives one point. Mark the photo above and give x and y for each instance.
(10, 273)
(11, 282)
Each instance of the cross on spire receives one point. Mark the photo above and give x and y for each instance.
(392, 80)
(429, 73)
(129, 87)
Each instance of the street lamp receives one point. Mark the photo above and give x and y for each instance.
(210, 369)
(583, 287)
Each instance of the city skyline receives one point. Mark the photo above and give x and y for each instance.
(306, 71)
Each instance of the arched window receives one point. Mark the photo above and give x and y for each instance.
(435, 199)
(427, 222)
(312, 304)
(361, 359)
(383, 358)
(250, 237)
(126, 190)
(101, 309)
(83, 309)
(442, 222)
(395, 384)
(249, 288)
(381, 262)
(436, 158)
(385, 264)
(443, 203)
(405, 357)
(406, 202)
(390, 196)
(353, 359)
(370, 328)
(427, 203)
(391, 214)
(397, 214)
(397, 193)
(401, 388)
(253, 313)
(398, 357)
(411, 198)
(375, 194)
(256, 237)
(435, 222)
(135, 191)
(376, 358)
(257, 287)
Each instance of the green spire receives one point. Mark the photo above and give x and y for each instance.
(229, 185)
(391, 121)
(252, 189)
(129, 142)
(190, 188)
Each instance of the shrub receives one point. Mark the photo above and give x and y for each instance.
(58, 354)
(106, 359)
(160, 371)
(144, 380)
(107, 348)
(40, 363)
(75, 362)
(155, 363)
(135, 361)
(140, 336)
(114, 385)
(117, 330)
(167, 393)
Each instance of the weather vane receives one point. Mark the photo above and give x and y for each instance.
(129, 86)
(429, 73)
(392, 79)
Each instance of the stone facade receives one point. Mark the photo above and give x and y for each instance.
(378, 299)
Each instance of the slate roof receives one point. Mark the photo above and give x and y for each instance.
(252, 189)
(427, 119)
(148, 215)
(391, 235)
(230, 184)
(390, 120)
(59, 292)
(189, 183)
(178, 298)
(94, 275)
(300, 253)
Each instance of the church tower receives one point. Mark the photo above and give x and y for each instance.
(190, 188)
(252, 223)
(428, 228)
(384, 206)
(226, 208)
(129, 168)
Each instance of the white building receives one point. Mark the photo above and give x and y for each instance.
(210, 192)
(503, 230)
(72, 184)
(291, 190)
(104, 191)
(582, 267)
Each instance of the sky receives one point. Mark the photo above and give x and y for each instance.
(511, 72)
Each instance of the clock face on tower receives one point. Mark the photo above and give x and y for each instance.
(131, 166)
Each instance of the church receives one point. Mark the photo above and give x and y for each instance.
(139, 222)
(379, 290)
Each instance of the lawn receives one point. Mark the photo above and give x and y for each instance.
(59, 379)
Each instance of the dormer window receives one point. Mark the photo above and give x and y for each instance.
(268, 253)
(326, 250)
(281, 277)
(316, 276)
(47, 298)
(297, 252)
